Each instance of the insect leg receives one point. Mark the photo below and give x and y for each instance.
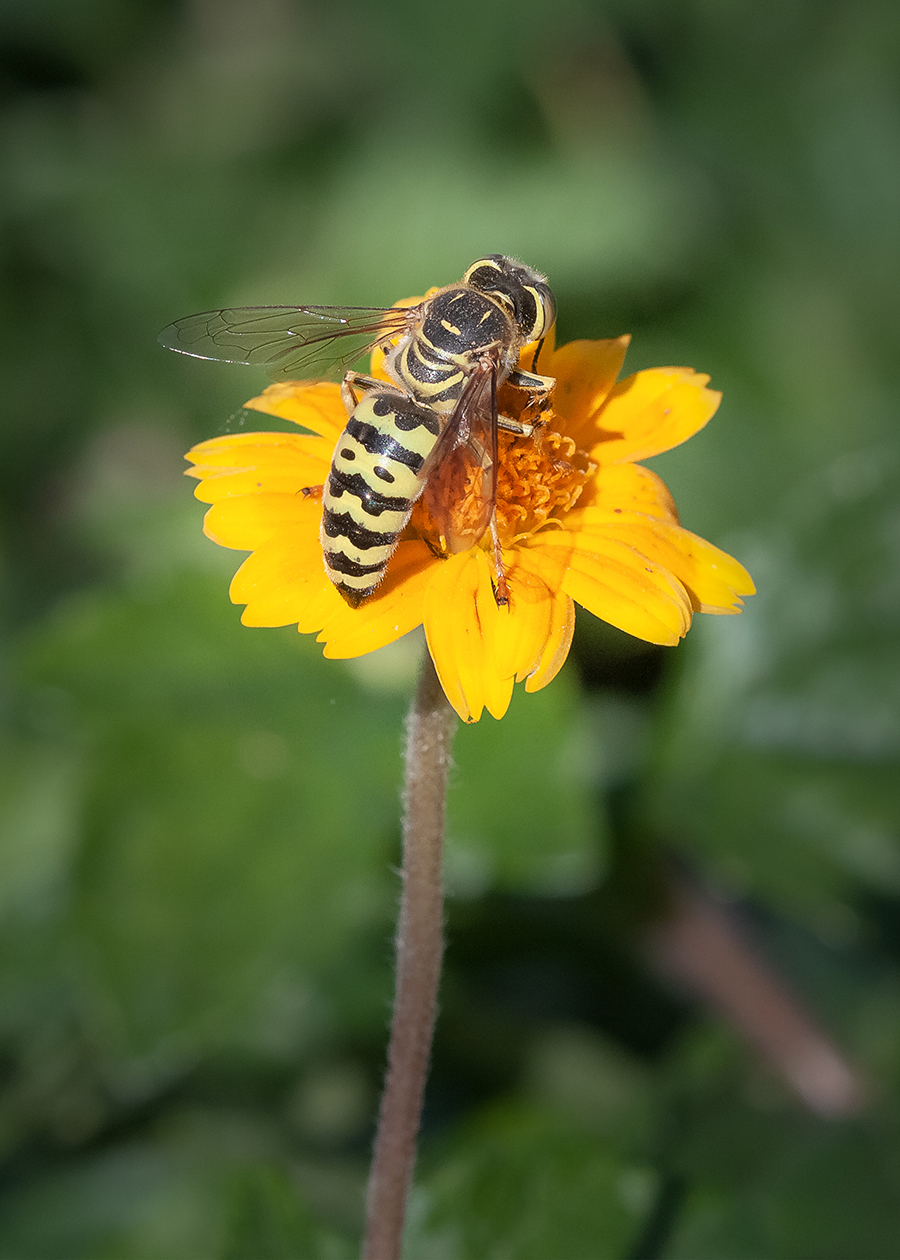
(538, 391)
(354, 381)
(501, 589)
(515, 426)
(531, 381)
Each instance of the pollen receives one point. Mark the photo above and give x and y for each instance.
(539, 478)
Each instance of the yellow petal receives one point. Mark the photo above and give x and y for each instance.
(585, 373)
(497, 690)
(629, 488)
(258, 463)
(544, 350)
(523, 625)
(376, 366)
(615, 582)
(316, 405)
(460, 617)
(650, 412)
(714, 580)
(712, 576)
(252, 520)
(240, 450)
(394, 609)
(284, 582)
(559, 640)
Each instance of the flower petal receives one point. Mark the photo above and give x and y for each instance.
(239, 450)
(316, 405)
(542, 350)
(394, 609)
(559, 640)
(650, 412)
(523, 625)
(254, 463)
(284, 581)
(714, 580)
(585, 373)
(252, 520)
(629, 488)
(460, 617)
(614, 582)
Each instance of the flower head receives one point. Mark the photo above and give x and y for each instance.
(579, 521)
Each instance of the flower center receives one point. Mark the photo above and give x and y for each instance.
(539, 479)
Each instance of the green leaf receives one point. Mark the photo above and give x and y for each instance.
(235, 814)
(522, 809)
(209, 1185)
(791, 1186)
(521, 1183)
(779, 763)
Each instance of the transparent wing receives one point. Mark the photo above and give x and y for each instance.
(461, 487)
(286, 340)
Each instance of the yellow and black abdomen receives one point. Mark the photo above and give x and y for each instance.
(375, 478)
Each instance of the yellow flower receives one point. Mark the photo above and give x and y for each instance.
(579, 520)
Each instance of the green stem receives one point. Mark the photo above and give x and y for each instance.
(420, 946)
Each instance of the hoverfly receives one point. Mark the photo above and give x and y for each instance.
(433, 430)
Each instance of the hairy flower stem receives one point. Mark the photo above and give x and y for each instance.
(420, 946)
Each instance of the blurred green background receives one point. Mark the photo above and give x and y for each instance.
(199, 823)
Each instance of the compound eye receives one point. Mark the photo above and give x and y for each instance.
(538, 312)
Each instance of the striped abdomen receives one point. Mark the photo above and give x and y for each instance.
(374, 481)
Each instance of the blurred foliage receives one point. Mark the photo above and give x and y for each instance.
(198, 822)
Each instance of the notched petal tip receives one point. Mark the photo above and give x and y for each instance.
(651, 412)
(460, 619)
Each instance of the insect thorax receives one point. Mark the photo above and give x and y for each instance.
(433, 361)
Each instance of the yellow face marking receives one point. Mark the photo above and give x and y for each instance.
(539, 320)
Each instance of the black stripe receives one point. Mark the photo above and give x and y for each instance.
(421, 368)
(434, 356)
(353, 596)
(342, 525)
(378, 443)
(339, 563)
(408, 420)
(407, 416)
(373, 503)
(450, 393)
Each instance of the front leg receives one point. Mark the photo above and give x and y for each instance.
(538, 391)
(541, 386)
(519, 427)
(354, 381)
